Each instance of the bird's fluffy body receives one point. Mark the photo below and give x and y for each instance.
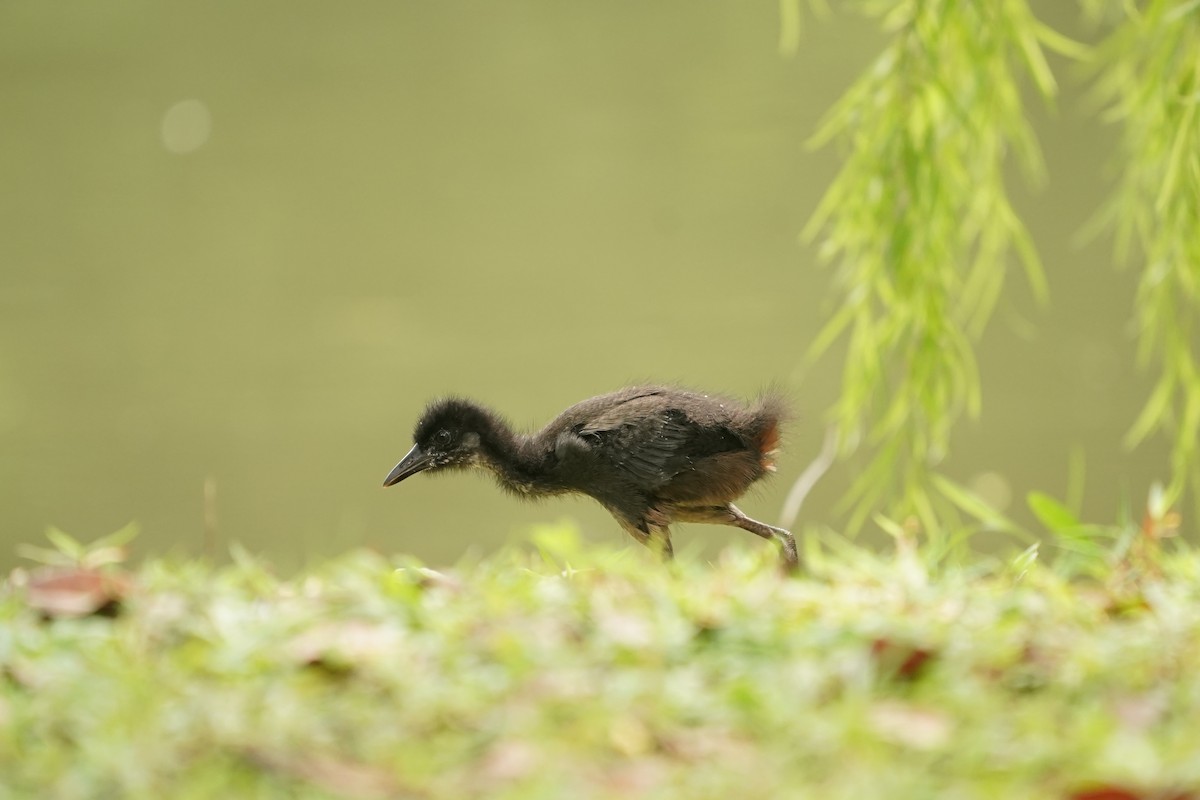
(662, 445)
(651, 455)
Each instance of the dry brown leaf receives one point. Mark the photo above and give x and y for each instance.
(338, 776)
(708, 743)
(1105, 792)
(1112, 791)
(345, 644)
(433, 579)
(900, 660)
(637, 777)
(509, 760)
(76, 591)
(913, 726)
(1141, 711)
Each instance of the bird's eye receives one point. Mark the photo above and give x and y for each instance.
(441, 438)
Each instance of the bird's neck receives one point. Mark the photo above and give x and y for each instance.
(519, 461)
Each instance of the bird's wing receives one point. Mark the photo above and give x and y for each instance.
(651, 442)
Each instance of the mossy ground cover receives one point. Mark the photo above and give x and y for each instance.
(571, 669)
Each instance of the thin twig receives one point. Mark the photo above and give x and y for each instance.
(808, 479)
(210, 516)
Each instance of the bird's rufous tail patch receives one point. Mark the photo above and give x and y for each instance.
(768, 445)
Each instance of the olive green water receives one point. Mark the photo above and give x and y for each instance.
(243, 243)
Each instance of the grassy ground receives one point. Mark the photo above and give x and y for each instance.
(570, 670)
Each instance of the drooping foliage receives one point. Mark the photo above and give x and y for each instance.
(921, 233)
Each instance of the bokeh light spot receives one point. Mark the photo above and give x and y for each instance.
(186, 127)
(993, 488)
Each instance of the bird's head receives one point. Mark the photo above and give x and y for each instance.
(448, 435)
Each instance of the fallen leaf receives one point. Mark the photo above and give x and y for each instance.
(76, 592)
(636, 777)
(509, 760)
(913, 726)
(339, 776)
(1141, 711)
(343, 645)
(900, 660)
(708, 744)
(1105, 792)
(433, 579)
(1112, 791)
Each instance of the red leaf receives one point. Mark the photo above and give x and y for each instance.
(1111, 791)
(1105, 792)
(903, 661)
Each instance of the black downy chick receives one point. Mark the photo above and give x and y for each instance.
(651, 455)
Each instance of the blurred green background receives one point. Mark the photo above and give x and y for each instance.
(244, 243)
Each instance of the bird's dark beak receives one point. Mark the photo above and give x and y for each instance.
(411, 464)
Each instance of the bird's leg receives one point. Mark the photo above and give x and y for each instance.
(732, 515)
(787, 541)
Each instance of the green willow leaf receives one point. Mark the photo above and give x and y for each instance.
(1054, 515)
